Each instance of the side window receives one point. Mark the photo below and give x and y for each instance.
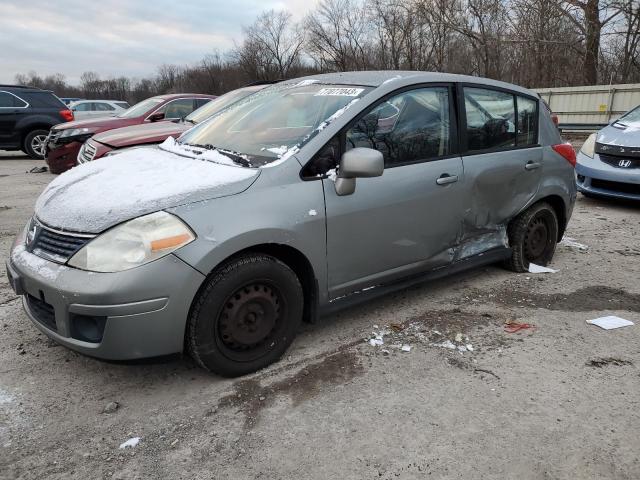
(527, 121)
(409, 127)
(7, 100)
(83, 107)
(11, 101)
(178, 108)
(103, 107)
(490, 119)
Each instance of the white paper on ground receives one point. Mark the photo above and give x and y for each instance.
(132, 442)
(533, 268)
(571, 242)
(406, 348)
(610, 322)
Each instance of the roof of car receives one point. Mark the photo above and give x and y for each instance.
(23, 88)
(376, 78)
(181, 95)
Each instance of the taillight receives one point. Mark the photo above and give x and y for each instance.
(567, 151)
(67, 115)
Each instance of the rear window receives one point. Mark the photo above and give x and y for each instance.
(527, 121)
(43, 100)
(122, 104)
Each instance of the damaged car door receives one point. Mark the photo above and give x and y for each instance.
(406, 220)
(502, 163)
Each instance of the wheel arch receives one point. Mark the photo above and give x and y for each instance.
(560, 209)
(295, 260)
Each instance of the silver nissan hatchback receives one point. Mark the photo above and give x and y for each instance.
(308, 196)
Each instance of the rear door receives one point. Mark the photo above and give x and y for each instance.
(502, 160)
(11, 107)
(407, 220)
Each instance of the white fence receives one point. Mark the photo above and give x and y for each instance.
(589, 108)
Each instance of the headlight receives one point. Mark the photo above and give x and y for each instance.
(133, 243)
(589, 145)
(74, 132)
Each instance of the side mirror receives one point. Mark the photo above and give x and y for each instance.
(358, 162)
(156, 117)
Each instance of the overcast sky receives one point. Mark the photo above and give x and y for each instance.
(121, 37)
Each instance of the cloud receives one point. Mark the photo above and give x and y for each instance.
(121, 37)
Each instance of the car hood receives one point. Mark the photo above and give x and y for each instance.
(627, 135)
(103, 123)
(137, 134)
(100, 194)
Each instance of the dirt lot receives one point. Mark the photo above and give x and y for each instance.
(560, 401)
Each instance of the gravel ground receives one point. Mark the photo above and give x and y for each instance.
(558, 401)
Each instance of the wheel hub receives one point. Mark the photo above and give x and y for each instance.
(249, 316)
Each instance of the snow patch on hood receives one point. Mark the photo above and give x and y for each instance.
(97, 195)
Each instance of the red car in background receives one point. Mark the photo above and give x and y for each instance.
(103, 143)
(64, 140)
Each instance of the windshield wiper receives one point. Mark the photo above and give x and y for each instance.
(234, 156)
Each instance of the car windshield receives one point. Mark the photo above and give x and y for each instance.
(631, 117)
(217, 105)
(274, 122)
(141, 108)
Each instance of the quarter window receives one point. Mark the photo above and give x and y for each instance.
(527, 121)
(410, 127)
(490, 119)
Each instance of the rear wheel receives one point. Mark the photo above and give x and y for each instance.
(34, 144)
(246, 316)
(533, 236)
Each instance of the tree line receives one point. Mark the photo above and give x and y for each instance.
(534, 43)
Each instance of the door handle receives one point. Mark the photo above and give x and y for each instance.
(445, 179)
(531, 165)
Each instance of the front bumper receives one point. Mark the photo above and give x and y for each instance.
(61, 158)
(598, 178)
(137, 313)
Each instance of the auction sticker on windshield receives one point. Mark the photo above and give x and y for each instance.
(340, 92)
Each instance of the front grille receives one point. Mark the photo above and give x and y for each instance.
(633, 188)
(42, 312)
(87, 152)
(56, 246)
(620, 162)
(53, 137)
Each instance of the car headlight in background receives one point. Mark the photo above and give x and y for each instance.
(133, 243)
(76, 134)
(589, 145)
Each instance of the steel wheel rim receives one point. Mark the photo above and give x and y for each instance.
(37, 144)
(536, 238)
(249, 320)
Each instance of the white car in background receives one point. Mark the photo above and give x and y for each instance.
(86, 109)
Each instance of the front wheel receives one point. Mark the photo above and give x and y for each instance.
(533, 236)
(245, 316)
(34, 144)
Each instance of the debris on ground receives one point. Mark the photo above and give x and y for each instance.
(610, 322)
(571, 242)
(406, 348)
(602, 362)
(131, 443)
(377, 339)
(396, 327)
(446, 344)
(513, 327)
(533, 268)
(38, 170)
(111, 407)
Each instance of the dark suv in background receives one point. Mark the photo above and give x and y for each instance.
(26, 115)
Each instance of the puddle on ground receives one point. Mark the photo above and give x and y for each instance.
(251, 397)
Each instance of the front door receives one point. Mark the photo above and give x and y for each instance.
(407, 220)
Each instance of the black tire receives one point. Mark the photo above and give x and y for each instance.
(33, 144)
(245, 315)
(533, 236)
